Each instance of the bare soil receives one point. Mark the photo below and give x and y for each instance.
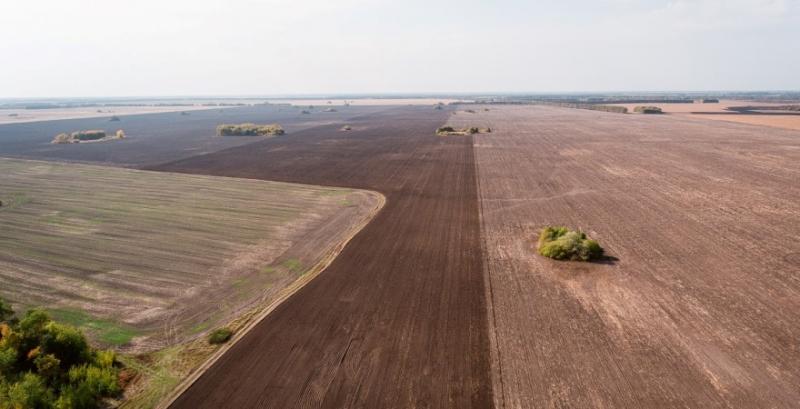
(399, 318)
(700, 307)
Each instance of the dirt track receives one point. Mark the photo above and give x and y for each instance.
(702, 309)
(399, 318)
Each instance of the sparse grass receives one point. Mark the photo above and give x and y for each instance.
(561, 243)
(105, 331)
(293, 265)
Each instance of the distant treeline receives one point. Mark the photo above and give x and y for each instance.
(594, 107)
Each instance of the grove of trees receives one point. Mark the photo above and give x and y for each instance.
(44, 364)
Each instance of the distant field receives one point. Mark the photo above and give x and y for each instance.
(17, 116)
(717, 112)
(143, 260)
(157, 138)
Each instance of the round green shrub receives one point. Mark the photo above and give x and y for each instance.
(219, 336)
(561, 243)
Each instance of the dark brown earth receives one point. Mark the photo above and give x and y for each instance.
(399, 318)
(152, 139)
(701, 309)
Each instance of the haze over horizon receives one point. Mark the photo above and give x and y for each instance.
(96, 48)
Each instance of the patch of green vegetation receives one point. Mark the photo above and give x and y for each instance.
(648, 110)
(44, 364)
(239, 282)
(105, 331)
(220, 336)
(293, 265)
(249, 130)
(15, 199)
(268, 270)
(561, 243)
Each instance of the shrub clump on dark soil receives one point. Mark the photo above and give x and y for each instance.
(219, 336)
(561, 243)
(81, 136)
(249, 130)
(648, 110)
(449, 130)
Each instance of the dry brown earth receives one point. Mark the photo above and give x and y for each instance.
(719, 112)
(702, 307)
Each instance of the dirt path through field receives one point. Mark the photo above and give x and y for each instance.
(702, 307)
(399, 318)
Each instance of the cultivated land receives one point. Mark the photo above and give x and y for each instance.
(15, 116)
(144, 260)
(719, 112)
(701, 307)
(157, 138)
(399, 318)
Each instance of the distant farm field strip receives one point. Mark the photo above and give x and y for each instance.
(153, 258)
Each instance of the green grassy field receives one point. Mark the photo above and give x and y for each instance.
(143, 260)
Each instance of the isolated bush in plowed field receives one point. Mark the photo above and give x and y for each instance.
(249, 130)
(219, 336)
(561, 243)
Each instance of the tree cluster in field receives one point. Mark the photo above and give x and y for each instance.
(449, 130)
(249, 130)
(561, 243)
(86, 136)
(646, 109)
(44, 364)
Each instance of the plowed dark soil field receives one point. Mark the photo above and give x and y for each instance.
(700, 309)
(157, 138)
(399, 318)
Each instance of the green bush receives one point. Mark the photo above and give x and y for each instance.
(219, 336)
(561, 243)
(44, 364)
(648, 110)
(249, 130)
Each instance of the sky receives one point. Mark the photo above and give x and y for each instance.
(99, 48)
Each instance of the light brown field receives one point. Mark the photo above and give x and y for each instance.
(701, 307)
(15, 116)
(145, 260)
(695, 111)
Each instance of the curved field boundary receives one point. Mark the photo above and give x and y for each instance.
(287, 292)
(399, 317)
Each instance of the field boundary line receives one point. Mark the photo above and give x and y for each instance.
(494, 345)
(283, 295)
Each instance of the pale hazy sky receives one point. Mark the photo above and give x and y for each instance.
(269, 47)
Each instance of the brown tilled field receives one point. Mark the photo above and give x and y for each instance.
(399, 318)
(701, 307)
(720, 112)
